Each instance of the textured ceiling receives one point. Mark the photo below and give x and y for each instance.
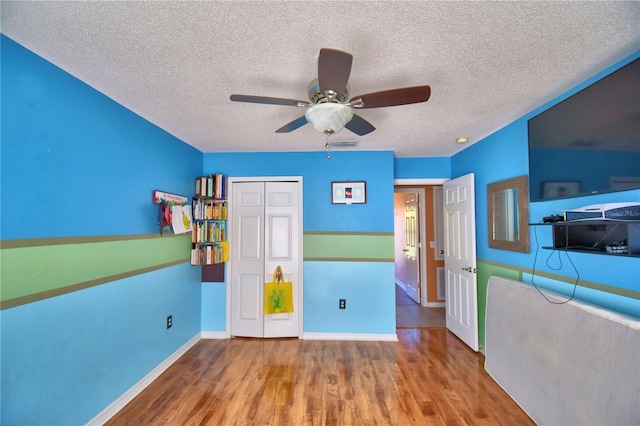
(176, 63)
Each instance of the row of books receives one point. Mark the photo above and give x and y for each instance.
(208, 232)
(205, 209)
(212, 186)
(209, 255)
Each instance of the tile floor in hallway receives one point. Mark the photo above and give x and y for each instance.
(410, 314)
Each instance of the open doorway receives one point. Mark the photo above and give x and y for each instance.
(418, 261)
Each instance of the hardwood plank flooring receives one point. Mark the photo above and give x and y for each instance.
(429, 377)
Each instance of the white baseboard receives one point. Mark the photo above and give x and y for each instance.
(126, 397)
(401, 284)
(435, 304)
(213, 335)
(351, 336)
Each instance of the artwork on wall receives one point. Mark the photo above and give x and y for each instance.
(348, 192)
(169, 204)
(559, 189)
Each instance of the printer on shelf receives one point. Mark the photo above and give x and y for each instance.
(611, 211)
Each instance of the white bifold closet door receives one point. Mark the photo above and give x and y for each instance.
(264, 235)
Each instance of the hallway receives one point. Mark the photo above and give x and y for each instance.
(410, 314)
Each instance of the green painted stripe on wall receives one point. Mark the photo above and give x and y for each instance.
(36, 270)
(633, 294)
(354, 247)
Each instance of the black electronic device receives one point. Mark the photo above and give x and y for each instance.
(553, 218)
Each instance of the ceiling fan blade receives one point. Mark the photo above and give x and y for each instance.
(298, 122)
(267, 100)
(404, 96)
(359, 125)
(334, 67)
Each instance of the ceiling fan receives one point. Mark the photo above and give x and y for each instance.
(329, 108)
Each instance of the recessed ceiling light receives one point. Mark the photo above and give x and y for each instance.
(462, 139)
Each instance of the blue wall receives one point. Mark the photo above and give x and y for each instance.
(76, 164)
(422, 167)
(486, 159)
(369, 286)
(376, 168)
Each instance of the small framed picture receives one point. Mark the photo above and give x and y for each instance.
(559, 189)
(348, 192)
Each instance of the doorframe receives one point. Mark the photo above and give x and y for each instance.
(408, 187)
(298, 304)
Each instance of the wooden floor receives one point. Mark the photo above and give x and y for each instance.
(429, 377)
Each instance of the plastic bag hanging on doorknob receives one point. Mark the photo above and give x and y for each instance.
(278, 294)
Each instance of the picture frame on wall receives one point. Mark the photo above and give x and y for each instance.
(559, 189)
(348, 192)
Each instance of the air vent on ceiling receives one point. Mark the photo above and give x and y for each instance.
(344, 144)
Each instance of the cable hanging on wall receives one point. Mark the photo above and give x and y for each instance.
(558, 268)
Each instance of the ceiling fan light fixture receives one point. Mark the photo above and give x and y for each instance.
(329, 117)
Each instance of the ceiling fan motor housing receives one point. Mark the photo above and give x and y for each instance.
(317, 97)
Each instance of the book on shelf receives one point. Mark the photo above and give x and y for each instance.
(209, 255)
(208, 232)
(212, 186)
(195, 256)
(210, 191)
(208, 209)
(203, 186)
(224, 245)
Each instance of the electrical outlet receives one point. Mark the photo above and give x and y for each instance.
(169, 321)
(342, 304)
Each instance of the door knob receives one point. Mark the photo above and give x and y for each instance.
(441, 252)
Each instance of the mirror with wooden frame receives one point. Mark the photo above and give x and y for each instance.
(508, 206)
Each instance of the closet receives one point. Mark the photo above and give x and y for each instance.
(265, 221)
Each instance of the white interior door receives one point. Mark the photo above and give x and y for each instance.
(247, 257)
(265, 229)
(460, 259)
(281, 249)
(411, 245)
